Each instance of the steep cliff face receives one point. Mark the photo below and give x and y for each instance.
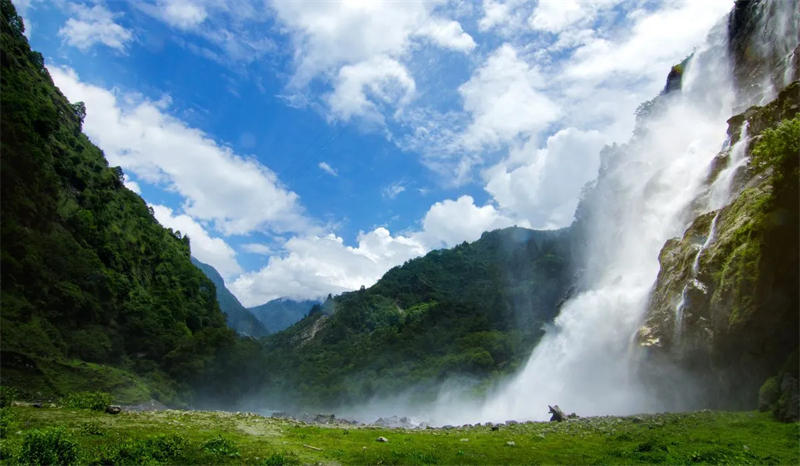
(724, 308)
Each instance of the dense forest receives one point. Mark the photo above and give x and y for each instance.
(472, 312)
(95, 293)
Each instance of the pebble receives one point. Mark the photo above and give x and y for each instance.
(382, 439)
(511, 443)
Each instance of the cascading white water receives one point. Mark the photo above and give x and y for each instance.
(641, 199)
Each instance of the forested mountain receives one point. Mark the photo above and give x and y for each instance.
(280, 313)
(472, 311)
(87, 273)
(237, 316)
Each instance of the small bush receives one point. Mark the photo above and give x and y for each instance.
(156, 449)
(91, 428)
(768, 394)
(48, 446)
(280, 459)
(7, 395)
(6, 418)
(97, 401)
(221, 446)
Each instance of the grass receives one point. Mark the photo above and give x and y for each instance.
(195, 437)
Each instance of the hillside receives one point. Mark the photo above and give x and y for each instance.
(88, 275)
(473, 311)
(237, 316)
(281, 313)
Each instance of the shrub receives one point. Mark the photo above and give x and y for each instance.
(48, 446)
(6, 418)
(97, 401)
(221, 446)
(7, 395)
(768, 394)
(156, 449)
(91, 428)
(280, 459)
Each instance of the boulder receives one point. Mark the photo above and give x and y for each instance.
(113, 409)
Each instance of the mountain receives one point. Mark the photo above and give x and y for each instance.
(88, 274)
(279, 314)
(237, 316)
(473, 311)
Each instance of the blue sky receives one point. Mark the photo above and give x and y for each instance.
(307, 147)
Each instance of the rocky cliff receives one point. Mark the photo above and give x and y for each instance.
(724, 308)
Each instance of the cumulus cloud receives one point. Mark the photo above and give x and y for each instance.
(360, 88)
(505, 99)
(314, 266)
(208, 249)
(449, 222)
(92, 26)
(184, 14)
(543, 185)
(238, 194)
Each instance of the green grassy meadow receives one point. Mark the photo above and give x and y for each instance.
(195, 437)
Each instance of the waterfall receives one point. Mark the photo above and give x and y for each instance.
(647, 192)
(643, 197)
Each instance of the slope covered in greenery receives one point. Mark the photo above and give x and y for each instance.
(472, 311)
(87, 273)
(237, 316)
(281, 313)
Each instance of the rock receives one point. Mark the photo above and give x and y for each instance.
(113, 409)
(557, 414)
(511, 443)
(382, 439)
(37, 405)
(495, 427)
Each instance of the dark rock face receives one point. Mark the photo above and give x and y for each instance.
(762, 38)
(724, 310)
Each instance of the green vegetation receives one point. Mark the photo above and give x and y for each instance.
(95, 293)
(182, 437)
(237, 316)
(48, 446)
(474, 311)
(97, 401)
(279, 314)
(740, 324)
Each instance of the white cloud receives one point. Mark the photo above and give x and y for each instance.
(651, 46)
(505, 101)
(328, 35)
(449, 222)
(543, 185)
(503, 17)
(258, 248)
(130, 184)
(391, 191)
(359, 89)
(238, 194)
(327, 169)
(447, 34)
(314, 266)
(213, 251)
(183, 14)
(92, 26)
(557, 15)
